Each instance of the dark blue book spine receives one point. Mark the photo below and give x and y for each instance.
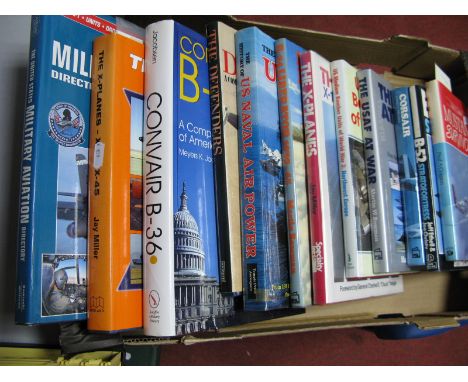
(263, 219)
(27, 181)
(404, 133)
(428, 192)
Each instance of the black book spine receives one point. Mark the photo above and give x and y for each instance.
(221, 191)
(425, 171)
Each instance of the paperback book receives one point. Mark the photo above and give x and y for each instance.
(328, 263)
(222, 74)
(293, 154)
(408, 167)
(263, 214)
(180, 260)
(450, 139)
(352, 171)
(115, 179)
(428, 187)
(52, 250)
(385, 199)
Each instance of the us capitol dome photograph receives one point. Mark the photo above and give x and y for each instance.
(197, 297)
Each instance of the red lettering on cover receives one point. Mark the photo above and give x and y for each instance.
(229, 63)
(455, 130)
(270, 69)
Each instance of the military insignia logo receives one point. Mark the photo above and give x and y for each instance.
(66, 124)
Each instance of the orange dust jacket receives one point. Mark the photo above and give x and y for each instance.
(115, 185)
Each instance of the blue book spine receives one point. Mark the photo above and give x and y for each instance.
(263, 220)
(427, 181)
(293, 154)
(450, 133)
(51, 261)
(408, 177)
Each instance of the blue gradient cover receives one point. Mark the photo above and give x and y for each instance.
(263, 220)
(408, 177)
(51, 275)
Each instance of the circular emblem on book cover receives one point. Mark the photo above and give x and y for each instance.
(66, 124)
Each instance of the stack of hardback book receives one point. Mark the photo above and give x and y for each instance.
(230, 178)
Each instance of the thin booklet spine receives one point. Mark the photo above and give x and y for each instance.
(158, 165)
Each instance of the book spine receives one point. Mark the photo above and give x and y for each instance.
(25, 274)
(450, 153)
(353, 185)
(404, 134)
(222, 190)
(264, 239)
(292, 143)
(100, 186)
(158, 173)
(375, 178)
(313, 174)
(425, 162)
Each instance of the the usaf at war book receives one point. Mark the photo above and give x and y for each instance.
(180, 260)
(115, 179)
(263, 215)
(52, 253)
(385, 200)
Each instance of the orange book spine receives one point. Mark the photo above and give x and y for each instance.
(115, 204)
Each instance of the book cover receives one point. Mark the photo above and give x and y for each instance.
(385, 199)
(428, 188)
(293, 154)
(263, 214)
(352, 167)
(52, 248)
(115, 180)
(222, 74)
(328, 262)
(450, 139)
(405, 138)
(180, 261)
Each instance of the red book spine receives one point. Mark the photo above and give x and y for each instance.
(309, 100)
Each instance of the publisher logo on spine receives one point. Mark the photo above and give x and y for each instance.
(66, 124)
(153, 298)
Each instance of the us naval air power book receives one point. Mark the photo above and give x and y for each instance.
(51, 259)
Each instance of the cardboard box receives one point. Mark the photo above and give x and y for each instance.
(431, 300)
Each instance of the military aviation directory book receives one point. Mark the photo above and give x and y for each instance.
(51, 276)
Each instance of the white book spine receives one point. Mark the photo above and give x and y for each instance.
(351, 163)
(158, 164)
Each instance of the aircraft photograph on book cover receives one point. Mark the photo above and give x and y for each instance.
(397, 207)
(133, 278)
(458, 182)
(72, 196)
(63, 288)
